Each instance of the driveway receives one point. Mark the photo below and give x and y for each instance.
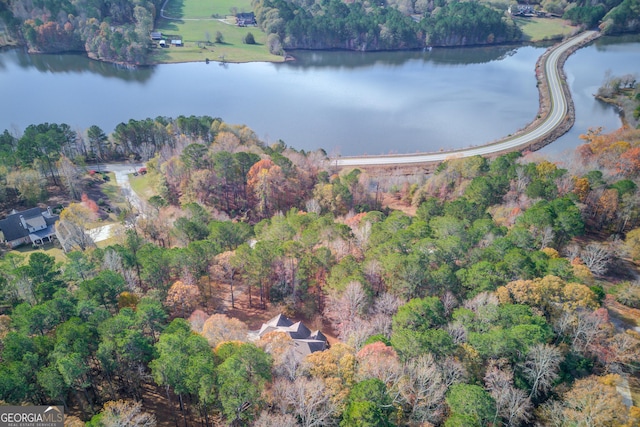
(122, 172)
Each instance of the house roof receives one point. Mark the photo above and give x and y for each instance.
(298, 331)
(304, 347)
(306, 342)
(12, 227)
(35, 222)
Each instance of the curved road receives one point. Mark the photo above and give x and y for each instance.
(559, 108)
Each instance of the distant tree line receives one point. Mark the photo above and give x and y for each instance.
(372, 26)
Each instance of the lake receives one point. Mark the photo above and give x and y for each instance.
(347, 103)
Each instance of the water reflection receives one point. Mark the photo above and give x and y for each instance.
(604, 42)
(346, 102)
(76, 63)
(352, 60)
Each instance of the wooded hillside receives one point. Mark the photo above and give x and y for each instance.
(492, 305)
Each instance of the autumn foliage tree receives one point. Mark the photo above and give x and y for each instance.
(219, 328)
(182, 298)
(550, 294)
(591, 402)
(265, 180)
(74, 224)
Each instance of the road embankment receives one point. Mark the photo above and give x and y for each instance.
(555, 117)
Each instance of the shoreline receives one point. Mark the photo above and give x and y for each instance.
(285, 58)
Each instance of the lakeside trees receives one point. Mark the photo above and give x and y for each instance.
(115, 31)
(482, 307)
(360, 26)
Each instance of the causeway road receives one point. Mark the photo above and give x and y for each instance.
(555, 98)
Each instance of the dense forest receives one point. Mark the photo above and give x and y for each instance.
(405, 24)
(109, 30)
(369, 26)
(488, 302)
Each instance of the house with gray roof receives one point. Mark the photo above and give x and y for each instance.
(35, 226)
(305, 340)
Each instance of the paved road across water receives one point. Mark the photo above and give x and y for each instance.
(556, 117)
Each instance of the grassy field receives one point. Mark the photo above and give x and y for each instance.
(540, 29)
(196, 26)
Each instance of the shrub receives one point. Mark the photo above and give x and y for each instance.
(249, 39)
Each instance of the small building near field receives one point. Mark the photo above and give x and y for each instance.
(155, 35)
(246, 19)
(305, 340)
(176, 42)
(35, 226)
(162, 43)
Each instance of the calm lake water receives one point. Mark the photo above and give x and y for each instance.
(347, 103)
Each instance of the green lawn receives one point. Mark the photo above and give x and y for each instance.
(196, 27)
(142, 185)
(113, 192)
(540, 29)
(50, 249)
(194, 9)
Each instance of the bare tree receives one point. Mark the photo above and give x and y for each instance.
(452, 371)
(70, 175)
(126, 413)
(267, 419)
(423, 389)
(572, 251)
(380, 320)
(544, 236)
(113, 261)
(449, 302)
(551, 414)
(313, 206)
(482, 300)
(373, 274)
(522, 179)
(457, 331)
(307, 399)
(282, 349)
(362, 233)
(512, 404)
(343, 309)
(357, 332)
(597, 257)
(541, 367)
(587, 329)
(197, 319)
(563, 325)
